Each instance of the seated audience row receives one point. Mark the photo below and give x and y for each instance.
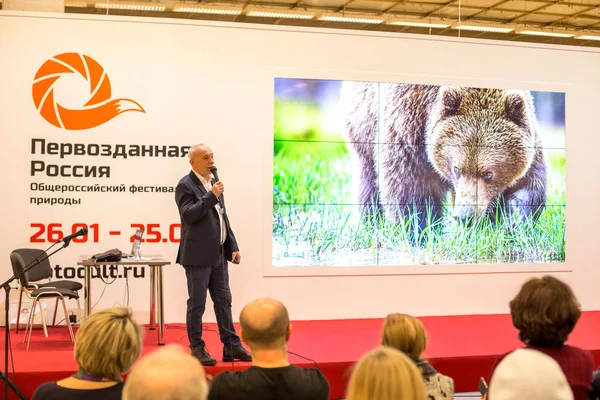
(545, 311)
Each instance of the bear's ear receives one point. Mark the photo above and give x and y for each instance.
(514, 106)
(451, 99)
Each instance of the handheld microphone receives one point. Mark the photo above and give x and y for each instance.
(67, 239)
(213, 171)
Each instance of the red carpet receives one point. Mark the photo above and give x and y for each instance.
(463, 347)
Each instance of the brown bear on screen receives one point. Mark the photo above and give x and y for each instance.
(414, 143)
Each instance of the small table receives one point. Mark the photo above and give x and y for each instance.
(156, 285)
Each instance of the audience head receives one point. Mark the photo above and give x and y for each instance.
(529, 374)
(169, 373)
(108, 343)
(265, 324)
(545, 312)
(405, 333)
(386, 374)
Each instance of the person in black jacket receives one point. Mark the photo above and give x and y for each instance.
(207, 243)
(266, 329)
(107, 344)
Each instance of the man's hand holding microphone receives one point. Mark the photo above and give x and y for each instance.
(217, 188)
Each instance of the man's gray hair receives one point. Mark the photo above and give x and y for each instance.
(169, 373)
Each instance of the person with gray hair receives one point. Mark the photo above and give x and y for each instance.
(169, 373)
(207, 244)
(531, 375)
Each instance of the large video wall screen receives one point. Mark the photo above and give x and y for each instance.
(376, 173)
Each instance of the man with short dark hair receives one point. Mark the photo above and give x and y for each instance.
(266, 330)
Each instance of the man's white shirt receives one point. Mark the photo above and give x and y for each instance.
(208, 185)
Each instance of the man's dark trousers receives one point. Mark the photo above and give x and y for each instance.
(215, 278)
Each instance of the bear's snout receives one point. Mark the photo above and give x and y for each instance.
(470, 200)
(463, 213)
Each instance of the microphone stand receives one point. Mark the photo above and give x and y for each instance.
(7, 288)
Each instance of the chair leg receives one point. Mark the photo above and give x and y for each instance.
(55, 310)
(19, 308)
(43, 318)
(30, 324)
(79, 314)
(68, 321)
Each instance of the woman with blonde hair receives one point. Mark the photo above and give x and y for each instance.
(407, 334)
(385, 374)
(106, 346)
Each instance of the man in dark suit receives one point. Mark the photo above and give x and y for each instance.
(207, 243)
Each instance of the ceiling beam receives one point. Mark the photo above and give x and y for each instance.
(493, 6)
(574, 15)
(535, 10)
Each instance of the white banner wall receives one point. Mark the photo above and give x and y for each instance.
(112, 165)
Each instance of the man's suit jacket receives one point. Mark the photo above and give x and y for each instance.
(200, 230)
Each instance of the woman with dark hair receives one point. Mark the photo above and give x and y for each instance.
(545, 312)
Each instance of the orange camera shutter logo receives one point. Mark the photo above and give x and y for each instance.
(98, 109)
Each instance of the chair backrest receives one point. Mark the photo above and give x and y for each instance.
(20, 258)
